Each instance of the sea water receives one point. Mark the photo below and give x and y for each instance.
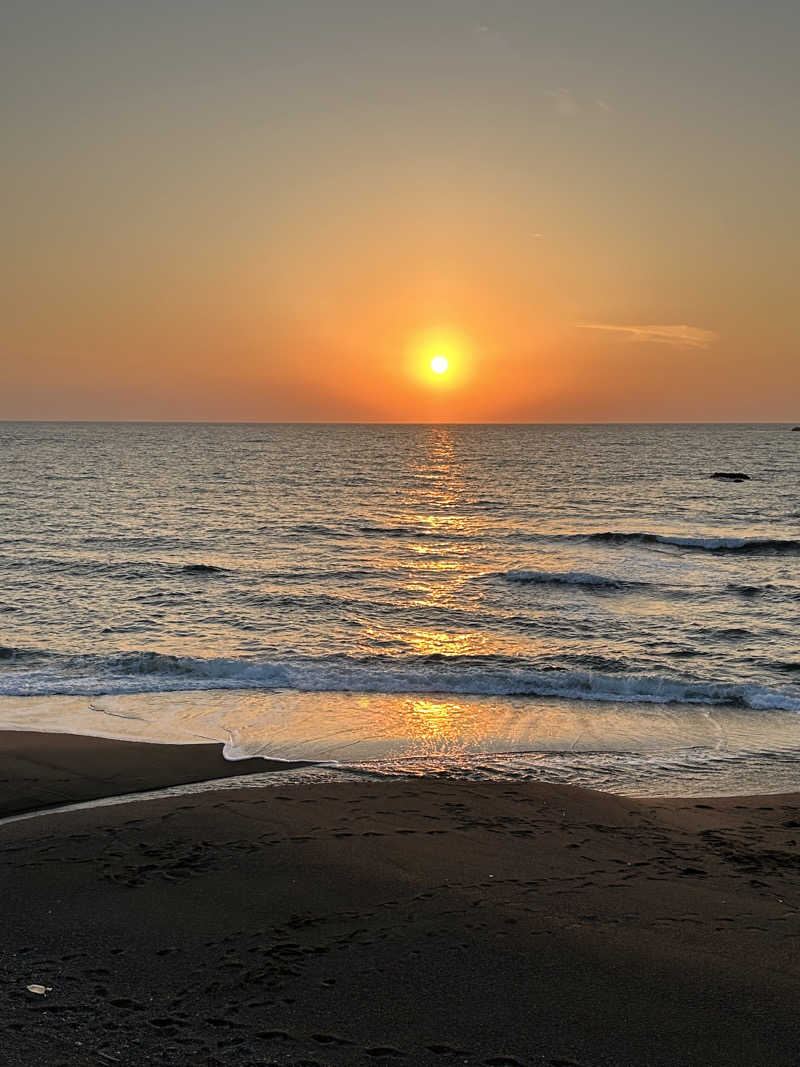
(575, 603)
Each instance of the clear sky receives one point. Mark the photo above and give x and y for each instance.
(283, 210)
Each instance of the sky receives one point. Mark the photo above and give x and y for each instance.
(282, 211)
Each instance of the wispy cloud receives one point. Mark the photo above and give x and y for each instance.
(563, 101)
(568, 105)
(681, 336)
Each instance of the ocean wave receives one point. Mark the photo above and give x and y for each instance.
(11, 652)
(315, 574)
(769, 591)
(315, 529)
(307, 601)
(576, 578)
(136, 672)
(115, 540)
(742, 545)
(357, 529)
(391, 531)
(594, 661)
(124, 569)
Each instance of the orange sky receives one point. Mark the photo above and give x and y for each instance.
(262, 212)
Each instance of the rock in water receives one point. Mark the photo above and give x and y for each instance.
(730, 476)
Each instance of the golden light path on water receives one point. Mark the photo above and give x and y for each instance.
(441, 563)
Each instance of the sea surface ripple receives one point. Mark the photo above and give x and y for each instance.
(594, 564)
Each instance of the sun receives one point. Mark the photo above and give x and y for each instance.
(439, 359)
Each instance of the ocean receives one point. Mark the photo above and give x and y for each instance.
(581, 604)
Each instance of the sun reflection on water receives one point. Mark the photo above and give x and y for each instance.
(440, 559)
(435, 727)
(441, 643)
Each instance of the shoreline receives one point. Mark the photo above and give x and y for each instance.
(42, 771)
(632, 749)
(418, 921)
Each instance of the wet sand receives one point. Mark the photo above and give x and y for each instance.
(42, 770)
(414, 921)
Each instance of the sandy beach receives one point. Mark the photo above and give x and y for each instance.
(416, 921)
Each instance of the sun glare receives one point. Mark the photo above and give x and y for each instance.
(439, 361)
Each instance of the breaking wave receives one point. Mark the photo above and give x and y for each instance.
(742, 545)
(138, 672)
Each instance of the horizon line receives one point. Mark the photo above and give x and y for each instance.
(373, 422)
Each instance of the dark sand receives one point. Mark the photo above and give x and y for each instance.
(40, 770)
(417, 922)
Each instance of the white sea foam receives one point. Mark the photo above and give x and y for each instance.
(479, 676)
(743, 545)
